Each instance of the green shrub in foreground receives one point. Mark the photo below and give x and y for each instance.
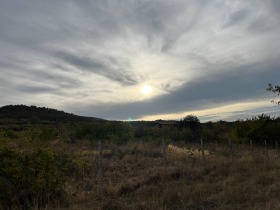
(41, 134)
(34, 179)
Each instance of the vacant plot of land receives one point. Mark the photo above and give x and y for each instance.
(133, 177)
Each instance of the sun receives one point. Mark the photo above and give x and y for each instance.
(146, 89)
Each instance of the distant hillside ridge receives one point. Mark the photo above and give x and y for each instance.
(40, 114)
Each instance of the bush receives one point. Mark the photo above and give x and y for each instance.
(41, 134)
(7, 134)
(34, 179)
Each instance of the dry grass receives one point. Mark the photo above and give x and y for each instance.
(134, 178)
(182, 152)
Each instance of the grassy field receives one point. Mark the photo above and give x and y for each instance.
(134, 177)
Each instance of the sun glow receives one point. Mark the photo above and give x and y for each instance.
(146, 89)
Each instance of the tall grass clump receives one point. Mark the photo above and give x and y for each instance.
(36, 179)
(41, 134)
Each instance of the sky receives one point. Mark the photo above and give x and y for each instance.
(141, 59)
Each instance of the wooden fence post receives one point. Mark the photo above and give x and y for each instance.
(266, 149)
(251, 145)
(202, 149)
(216, 144)
(164, 157)
(230, 147)
(100, 169)
(203, 155)
(277, 148)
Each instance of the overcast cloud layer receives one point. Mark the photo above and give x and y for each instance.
(212, 58)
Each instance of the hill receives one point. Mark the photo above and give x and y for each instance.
(22, 114)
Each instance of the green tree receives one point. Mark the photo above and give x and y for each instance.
(274, 89)
(261, 128)
(192, 122)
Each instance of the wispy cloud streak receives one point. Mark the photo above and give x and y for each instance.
(93, 57)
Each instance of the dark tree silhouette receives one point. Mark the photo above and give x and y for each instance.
(274, 89)
(192, 122)
(34, 115)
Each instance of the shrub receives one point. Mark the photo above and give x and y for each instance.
(41, 134)
(7, 134)
(35, 179)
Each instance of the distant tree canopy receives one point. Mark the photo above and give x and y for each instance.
(274, 89)
(192, 123)
(258, 129)
(190, 120)
(33, 114)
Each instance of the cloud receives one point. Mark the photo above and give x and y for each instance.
(92, 57)
(236, 18)
(237, 86)
(109, 68)
(35, 89)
